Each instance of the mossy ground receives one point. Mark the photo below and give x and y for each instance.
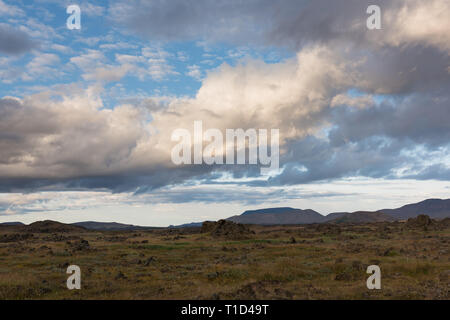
(292, 262)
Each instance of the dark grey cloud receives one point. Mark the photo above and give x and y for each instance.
(314, 159)
(195, 20)
(432, 172)
(418, 119)
(409, 133)
(13, 42)
(289, 23)
(412, 69)
(248, 196)
(373, 158)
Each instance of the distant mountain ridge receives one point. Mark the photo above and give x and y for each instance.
(270, 210)
(188, 225)
(434, 208)
(109, 226)
(12, 224)
(358, 217)
(273, 216)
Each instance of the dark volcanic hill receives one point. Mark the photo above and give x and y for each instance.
(12, 224)
(188, 225)
(279, 216)
(358, 217)
(434, 208)
(49, 226)
(270, 211)
(109, 226)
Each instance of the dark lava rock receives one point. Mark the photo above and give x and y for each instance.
(15, 237)
(81, 245)
(120, 276)
(149, 261)
(420, 222)
(344, 276)
(227, 229)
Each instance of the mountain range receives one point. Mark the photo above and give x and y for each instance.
(274, 216)
(109, 226)
(434, 208)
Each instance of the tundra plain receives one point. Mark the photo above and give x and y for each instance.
(225, 260)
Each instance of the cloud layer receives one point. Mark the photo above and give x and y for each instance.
(350, 102)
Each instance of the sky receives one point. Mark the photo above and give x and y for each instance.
(87, 116)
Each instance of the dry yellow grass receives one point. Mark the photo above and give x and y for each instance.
(322, 263)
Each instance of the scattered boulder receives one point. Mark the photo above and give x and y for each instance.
(226, 249)
(213, 275)
(444, 277)
(64, 265)
(390, 252)
(420, 222)
(120, 276)
(116, 239)
(262, 290)
(358, 266)
(149, 261)
(343, 276)
(81, 245)
(15, 237)
(45, 250)
(328, 229)
(444, 223)
(208, 226)
(227, 229)
(54, 237)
